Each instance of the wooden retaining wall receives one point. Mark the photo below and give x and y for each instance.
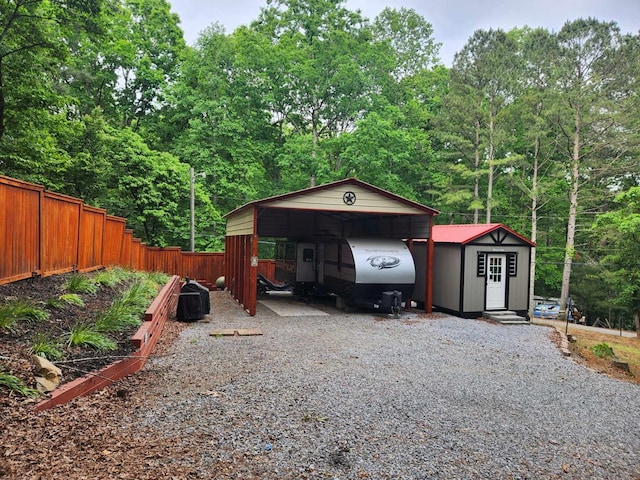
(144, 340)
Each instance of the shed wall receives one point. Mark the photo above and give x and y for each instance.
(474, 286)
(446, 276)
(519, 285)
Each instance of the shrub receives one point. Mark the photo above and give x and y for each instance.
(602, 350)
(79, 283)
(20, 310)
(45, 347)
(83, 335)
(111, 277)
(65, 299)
(16, 385)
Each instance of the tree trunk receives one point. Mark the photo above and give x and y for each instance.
(573, 211)
(1, 102)
(476, 179)
(491, 158)
(534, 227)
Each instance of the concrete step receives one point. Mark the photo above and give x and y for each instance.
(506, 317)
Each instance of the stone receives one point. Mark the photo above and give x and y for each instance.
(47, 375)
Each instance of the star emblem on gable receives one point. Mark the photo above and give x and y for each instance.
(349, 198)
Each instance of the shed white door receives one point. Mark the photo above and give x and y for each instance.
(496, 282)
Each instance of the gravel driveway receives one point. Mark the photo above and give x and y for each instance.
(355, 396)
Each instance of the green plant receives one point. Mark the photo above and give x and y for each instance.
(7, 318)
(84, 335)
(111, 277)
(16, 385)
(158, 278)
(79, 283)
(126, 310)
(45, 347)
(602, 350)
(55, 302)
(119, 316)
(64, 300)
(72, 299)
(19, 310)
(139, 294)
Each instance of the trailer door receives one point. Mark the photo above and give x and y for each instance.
(306, 263)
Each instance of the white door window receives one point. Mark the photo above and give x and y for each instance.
(496, 282)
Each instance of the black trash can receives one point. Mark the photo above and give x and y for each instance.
(193, 302)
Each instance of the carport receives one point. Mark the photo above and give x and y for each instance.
(344, 208)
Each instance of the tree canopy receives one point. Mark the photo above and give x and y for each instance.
(539, 130)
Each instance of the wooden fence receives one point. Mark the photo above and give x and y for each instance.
(44, 233)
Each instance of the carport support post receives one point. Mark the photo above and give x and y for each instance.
(253, 276)
(428, 308)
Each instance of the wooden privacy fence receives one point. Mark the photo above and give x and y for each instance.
(45, 233)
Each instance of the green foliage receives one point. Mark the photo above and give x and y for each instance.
(111, 277)
(16, 385)
(80, 283)
(126, 311)
(72, 299)
(65, 299)
(86, 335)
(602, 350)
(104, 101)
(20, 310)
(46, 347)
(617, 235)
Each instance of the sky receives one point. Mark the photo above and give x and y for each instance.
(453, 21)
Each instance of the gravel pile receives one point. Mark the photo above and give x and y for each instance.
(359, 396)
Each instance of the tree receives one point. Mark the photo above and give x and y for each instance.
(316, 65)
(536, 175)
(154, 34)
(617, 233)
(410, 39)
(151, 190)
(217, 119)
(593, 71)
(384, 152)
(488, 65)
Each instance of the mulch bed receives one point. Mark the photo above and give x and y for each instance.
(15, 344)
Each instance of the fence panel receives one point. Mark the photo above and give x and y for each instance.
(113, 235)
(60, 224)
(127, 249)
(19, 229)
(164, 259)
(267, 268)
(92, 225)
(202, 266)
(137, 254)
(44, 233)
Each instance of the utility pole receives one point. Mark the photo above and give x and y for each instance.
(192, 181)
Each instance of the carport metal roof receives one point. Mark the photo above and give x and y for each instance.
(344, 208)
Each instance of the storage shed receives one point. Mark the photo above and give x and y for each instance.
(339, 209)
(476, 268)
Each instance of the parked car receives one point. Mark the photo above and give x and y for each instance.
(546, 310)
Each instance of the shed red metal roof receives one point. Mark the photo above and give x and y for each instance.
(466, 233)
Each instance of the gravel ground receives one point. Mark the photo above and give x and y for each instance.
(359, 396)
